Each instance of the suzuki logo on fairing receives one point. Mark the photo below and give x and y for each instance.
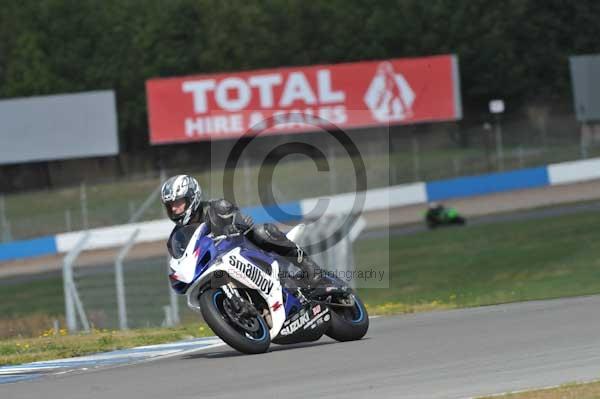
(296, 324)
(253, 273)
(389, 97)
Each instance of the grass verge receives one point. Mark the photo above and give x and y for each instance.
(568, 391)
(53, 344)
(484, 264)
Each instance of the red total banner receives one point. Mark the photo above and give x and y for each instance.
(285, 100)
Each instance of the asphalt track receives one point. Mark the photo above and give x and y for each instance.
(453, 354)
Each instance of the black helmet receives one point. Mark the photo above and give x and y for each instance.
(176, 188)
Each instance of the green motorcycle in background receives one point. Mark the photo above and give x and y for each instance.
(437, 216)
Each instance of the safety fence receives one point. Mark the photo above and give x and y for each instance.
(375, 199)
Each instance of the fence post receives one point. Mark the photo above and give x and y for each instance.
(4, 224)
(84, 207)
(168, 321)
(70, 290)
(79, 307)
(120, 281)
(456, 163)
(69, 303)
(499, 144)
(174, 304)
(583, 141)
(145, 205)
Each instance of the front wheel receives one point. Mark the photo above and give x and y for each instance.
(349, 324)
(247, 334)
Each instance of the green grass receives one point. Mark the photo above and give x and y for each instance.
(40, 295)
(488, 264)
(57, 344)
(589, 390)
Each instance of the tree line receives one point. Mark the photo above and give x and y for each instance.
(513, 49)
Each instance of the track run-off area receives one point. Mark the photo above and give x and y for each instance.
(448, 354)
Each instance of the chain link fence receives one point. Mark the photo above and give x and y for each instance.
(146, 293)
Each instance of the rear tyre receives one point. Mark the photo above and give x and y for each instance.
(212, 305)
(349, 324)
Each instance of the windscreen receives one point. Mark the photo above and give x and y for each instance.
(180, 238)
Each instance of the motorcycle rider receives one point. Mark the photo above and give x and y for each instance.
(183, 200)
(435, 210)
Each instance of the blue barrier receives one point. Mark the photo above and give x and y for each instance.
(28, 248)
(487, 184)
(290, 211)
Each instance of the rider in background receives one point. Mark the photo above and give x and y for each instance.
(434, 214)
(439, 215)
(435, 210)
(183, 201)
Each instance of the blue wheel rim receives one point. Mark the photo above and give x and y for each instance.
(361, 314)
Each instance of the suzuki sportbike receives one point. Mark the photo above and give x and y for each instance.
(250, 297)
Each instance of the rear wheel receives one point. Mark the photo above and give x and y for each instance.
(349, 323)
(247, 334)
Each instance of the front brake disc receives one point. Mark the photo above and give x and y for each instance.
(247, 323)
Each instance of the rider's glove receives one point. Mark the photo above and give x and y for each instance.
(230, 229)
(243, 222)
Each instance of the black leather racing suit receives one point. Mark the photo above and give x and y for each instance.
(222, 217)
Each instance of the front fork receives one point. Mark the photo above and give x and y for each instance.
(244, 306)
(229, 291)
(241, 306)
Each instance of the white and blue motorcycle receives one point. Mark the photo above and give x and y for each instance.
(251, 298)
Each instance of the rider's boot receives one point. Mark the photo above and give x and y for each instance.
(316, 284)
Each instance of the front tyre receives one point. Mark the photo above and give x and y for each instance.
(250, 335)
(349, 324)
